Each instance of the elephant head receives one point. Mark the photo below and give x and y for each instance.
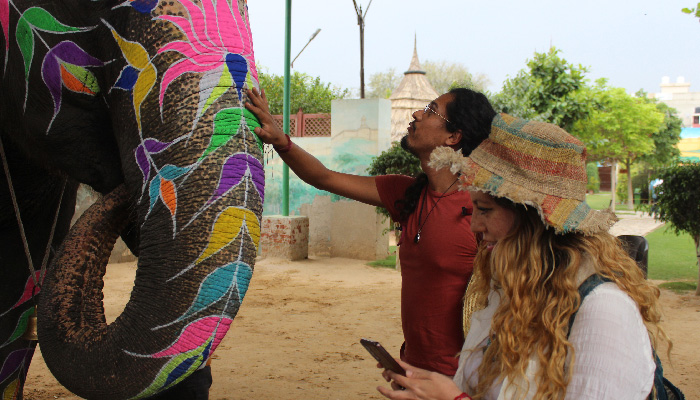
(142, 100)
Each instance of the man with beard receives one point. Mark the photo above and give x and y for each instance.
(437, 247)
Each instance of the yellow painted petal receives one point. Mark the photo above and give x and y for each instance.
(228, 227)
(134, 53)
(11, 390)
(143, 86)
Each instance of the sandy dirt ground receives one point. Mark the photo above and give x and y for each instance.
(297, 333)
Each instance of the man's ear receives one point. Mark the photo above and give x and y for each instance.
(455, 138)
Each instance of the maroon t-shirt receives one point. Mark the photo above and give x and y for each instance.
(434, 272)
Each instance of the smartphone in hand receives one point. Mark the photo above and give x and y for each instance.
(382, 356)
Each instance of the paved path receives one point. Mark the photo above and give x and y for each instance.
(634, 224)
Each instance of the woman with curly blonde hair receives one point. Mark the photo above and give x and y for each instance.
(529, 335)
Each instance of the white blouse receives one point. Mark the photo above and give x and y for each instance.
(613, 357)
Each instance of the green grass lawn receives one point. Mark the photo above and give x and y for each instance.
(388, 262)
(671, 257)
(601, 201)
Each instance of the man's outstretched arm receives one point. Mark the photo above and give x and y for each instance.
(307, 167)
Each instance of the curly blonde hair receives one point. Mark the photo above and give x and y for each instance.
(536, 270)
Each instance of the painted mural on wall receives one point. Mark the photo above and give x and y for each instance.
(689, 144)
(211, 51)
(359, 132)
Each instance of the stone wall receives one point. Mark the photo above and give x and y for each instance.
(284, 237)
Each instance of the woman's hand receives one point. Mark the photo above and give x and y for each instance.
(268, 132)
(418, 384)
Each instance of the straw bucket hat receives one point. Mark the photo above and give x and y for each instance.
(533, 163)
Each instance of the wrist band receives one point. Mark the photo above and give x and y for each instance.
(463, 396)
(286, 147)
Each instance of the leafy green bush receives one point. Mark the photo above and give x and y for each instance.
(679, 201)
(395, 160)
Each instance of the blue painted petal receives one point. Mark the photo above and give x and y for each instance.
(243, 275)
(154, 191)
(181, 369)
(127, 78)
(171, 172)
(238, 67)
(144, 6)
(219, 283)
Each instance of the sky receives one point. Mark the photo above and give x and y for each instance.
(631, 43)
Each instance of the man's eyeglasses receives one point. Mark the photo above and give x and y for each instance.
(428, 109)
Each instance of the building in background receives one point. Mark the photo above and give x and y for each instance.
(687, 103)
(412, 94)
(679, 96)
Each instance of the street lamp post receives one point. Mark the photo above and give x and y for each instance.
(313, 35)
(361, 23)
(285, 104)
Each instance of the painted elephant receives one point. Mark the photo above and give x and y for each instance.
(143, 101)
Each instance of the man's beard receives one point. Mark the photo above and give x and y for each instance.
(406, 146)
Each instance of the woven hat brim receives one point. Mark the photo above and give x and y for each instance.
(563, 214)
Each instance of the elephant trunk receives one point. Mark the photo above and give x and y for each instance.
(71, 313)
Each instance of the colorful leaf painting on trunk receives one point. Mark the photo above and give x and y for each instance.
(218, 44)
(138, 76)
(196, 342)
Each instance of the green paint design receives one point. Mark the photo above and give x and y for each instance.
(227, 123)
(21, 325)
(175, 362)
(25, 41)
(42, 20)
(83, 75)
(225, 82)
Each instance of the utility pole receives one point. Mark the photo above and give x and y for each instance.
(361, 23)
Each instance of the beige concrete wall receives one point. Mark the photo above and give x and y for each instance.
(284, 237)
(319, 214)
(345, 228)
(356, 232)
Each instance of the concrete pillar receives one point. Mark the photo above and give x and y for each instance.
(285, 237)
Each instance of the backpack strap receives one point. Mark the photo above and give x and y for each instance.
(662, 388)
(584, 289)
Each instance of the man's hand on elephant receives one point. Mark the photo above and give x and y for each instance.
(268, 132)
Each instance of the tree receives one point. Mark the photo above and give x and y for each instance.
(666, 138)
(679, 203)
(382, 84)
(620, 130)
(306, 92)
(552, 90)
(442, 75)
(694, 11)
